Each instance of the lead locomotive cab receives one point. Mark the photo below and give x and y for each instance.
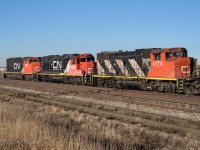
(170, 63)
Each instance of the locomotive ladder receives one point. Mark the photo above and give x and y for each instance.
(180, 85)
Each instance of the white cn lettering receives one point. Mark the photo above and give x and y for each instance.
(16, 65)
(185, 69)
(57, 65)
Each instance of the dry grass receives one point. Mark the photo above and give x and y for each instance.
(26, 125)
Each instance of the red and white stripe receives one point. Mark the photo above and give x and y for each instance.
(109, 66)
(136, 67)
(100, 69)
(122, 67)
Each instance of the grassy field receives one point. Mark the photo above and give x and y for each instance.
(26, 125)
(29, 126)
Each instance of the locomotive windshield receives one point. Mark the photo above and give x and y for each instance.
(175, 53)
(183, 53)
(180, 53)
(90, 59)
(85, 58)
(169, 55)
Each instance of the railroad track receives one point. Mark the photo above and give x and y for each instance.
(147, 98)
(157, 101)
(154, 99)
(136, 97)
(117, 111)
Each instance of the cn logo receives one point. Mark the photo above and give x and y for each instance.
(16, 65)
(185, 69)
(57, 65)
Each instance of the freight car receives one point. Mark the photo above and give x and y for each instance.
(163, 70)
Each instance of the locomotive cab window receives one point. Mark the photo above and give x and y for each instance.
(35, 60)
(90, 59)
(83, 59)
(176, 54)
(183, 53)
(168, 55)
(157, 56)
(87, 60)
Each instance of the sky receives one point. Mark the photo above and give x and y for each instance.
(51, 27)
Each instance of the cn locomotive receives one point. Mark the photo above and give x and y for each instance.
(164, 70)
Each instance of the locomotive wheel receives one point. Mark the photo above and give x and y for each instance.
(26, 77)
(5, 76)
(30, 77)
(172, 87)
(153, 87)
(100, 83)
(143, 86)
(167, 89)
(111, 83)
(187, 90)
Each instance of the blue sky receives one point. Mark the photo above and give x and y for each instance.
(46, 27)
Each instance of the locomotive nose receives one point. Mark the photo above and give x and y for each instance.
(90, 70)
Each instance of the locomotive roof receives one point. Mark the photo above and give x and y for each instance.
(52, 56)
(15, 58)
(70, 56)
(157, 51)
(136, 50)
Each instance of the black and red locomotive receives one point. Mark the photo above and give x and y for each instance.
(164, 70)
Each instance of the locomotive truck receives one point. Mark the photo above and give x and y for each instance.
(164, 70)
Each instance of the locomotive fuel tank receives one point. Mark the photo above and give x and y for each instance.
(57, 79)
(128, 85)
